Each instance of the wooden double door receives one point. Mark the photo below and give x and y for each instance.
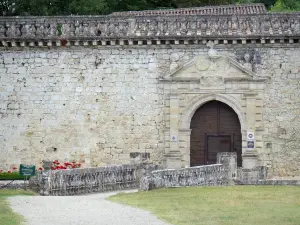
(215, 128)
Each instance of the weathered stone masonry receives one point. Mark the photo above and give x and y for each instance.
(106, 89)
(60, 104)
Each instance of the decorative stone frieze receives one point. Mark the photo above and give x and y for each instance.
(265, 28)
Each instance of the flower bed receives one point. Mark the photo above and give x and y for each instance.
(13, 173)
(56, 165)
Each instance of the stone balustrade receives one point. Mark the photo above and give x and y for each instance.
(127, 30)
(209, 175)
(88, 180)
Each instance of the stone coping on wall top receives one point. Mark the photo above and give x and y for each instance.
(148, 18)
(104, 18)
(257, 8)
(187, 168)
(266, 29)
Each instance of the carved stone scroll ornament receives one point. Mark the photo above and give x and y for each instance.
(202, 63)
(68, 30)
(110, 29)
(295, 26)
(213, 68)
(247, 64)
(13, 30)
(28, 30)
(210, 81)
(212, 53)
(79, 29)
(152, 28)
(86, 29)
(40, 30)
(2, 30)
(100, 29)
(53, 30)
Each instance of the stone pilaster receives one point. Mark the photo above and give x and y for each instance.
(173, 156)
(250, 156)
(184, 145)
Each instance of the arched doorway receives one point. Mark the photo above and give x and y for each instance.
(215, 127)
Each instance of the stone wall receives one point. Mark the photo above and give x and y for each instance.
(106, 105)
(280, 147)
(210, 175)
(97, 106)
(251, 176)
(83, 181)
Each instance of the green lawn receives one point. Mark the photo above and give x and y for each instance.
(234, 205)
(7, 216)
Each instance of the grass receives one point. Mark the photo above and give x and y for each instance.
(234, 205)
(7, 216)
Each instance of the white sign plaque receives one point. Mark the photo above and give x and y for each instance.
(250, 136)
(173, 138)
(250, 144)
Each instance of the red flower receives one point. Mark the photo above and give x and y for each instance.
(73, 166)
(56, 162)
(9, 171)
(73, 162)
(41, 168)
(79, 164)
(14, 168)
(53, 168)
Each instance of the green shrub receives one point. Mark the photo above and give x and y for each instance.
(11, 176)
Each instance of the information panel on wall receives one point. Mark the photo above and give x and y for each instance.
(250, 139)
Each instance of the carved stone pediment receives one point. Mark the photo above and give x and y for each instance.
(215, 67)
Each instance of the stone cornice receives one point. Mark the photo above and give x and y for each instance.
(236, 9)
(268, 28)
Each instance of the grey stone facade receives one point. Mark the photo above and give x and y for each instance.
(112, 90)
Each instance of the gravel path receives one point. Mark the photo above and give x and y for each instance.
(79, 210)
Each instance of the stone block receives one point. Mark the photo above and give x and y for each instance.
(229, 161)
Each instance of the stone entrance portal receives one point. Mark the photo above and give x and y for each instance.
(215, 127)
(212, 102)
